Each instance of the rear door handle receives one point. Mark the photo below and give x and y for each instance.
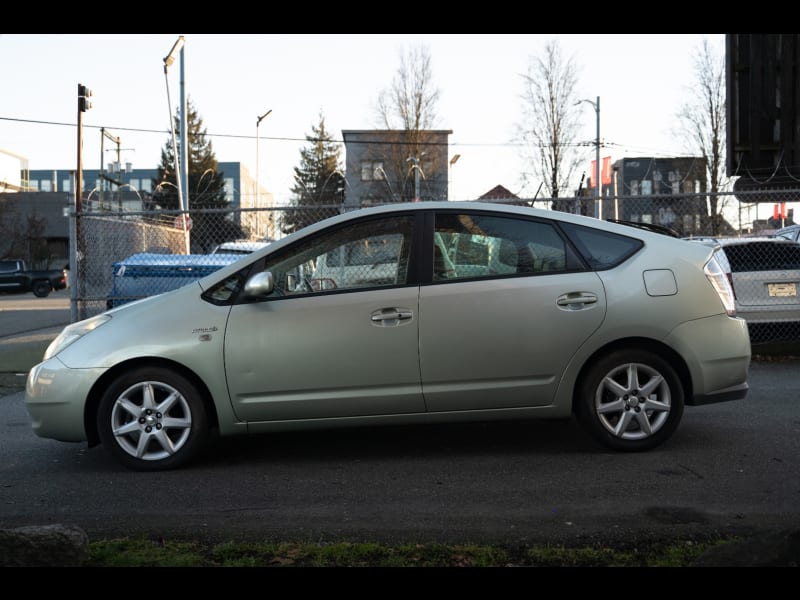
(576, 300)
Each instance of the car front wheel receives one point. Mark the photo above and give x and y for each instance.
(152, 419)
(630, 400)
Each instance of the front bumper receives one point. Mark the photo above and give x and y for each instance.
(55, 398)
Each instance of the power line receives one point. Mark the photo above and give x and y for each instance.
(307, 139)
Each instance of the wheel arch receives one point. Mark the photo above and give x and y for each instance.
(45, 283)
(636, 343)
(99, 387)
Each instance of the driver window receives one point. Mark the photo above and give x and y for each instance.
(367, 254)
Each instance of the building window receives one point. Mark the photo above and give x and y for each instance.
(372, 170)
(634, 187)
(134, 183)
(45, 185)
(647, 187)
(229, 189)
(66, 185)
(34, 185)
(147, 185)
(676, 187)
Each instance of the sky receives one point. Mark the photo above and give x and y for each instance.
(642, 82)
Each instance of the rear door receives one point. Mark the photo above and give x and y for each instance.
(500, 334)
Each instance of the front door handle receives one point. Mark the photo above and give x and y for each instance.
(391, 314)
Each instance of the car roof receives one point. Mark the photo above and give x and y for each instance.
(751, 240)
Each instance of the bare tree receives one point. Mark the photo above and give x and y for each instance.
(408, 106)
(22, 237)
(702, 122)
(410, 102)
(549, 120)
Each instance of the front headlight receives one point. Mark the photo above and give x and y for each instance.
(74, 332)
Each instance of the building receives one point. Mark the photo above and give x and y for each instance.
(139, 184)
(34, 226)
(395, 166)
(663, 191)
(13, 172)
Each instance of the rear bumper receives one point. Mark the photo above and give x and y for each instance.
(737, 392)
(717, 351)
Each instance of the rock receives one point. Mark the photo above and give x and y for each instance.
(43, 546)
(779, 549)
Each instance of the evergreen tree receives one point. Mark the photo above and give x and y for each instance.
(319, 181)
(206, 190)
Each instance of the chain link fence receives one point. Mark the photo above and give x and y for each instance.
(127, 255)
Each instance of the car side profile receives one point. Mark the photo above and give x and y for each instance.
(431, 312)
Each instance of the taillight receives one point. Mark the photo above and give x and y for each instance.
(722, 283)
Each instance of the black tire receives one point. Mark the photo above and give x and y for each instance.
(175, 434)
(630, 400)
(41, 289)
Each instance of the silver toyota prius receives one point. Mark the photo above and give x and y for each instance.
(411, 313)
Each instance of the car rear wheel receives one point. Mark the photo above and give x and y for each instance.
(630, 400)
(41, 289)
(152, 419)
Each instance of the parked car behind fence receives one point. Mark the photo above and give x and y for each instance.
(765, 273)
(791, 232)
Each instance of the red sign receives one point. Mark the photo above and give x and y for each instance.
(605, 177)
(180, 220)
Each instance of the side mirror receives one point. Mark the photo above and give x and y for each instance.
(260, 284)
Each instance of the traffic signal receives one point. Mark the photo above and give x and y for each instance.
(83, 94)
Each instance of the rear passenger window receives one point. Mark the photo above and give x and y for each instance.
(602, 249)
(468, 246)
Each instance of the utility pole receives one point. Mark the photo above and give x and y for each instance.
(598, 207)
(103, 177)
(77, 245)
(258, 188)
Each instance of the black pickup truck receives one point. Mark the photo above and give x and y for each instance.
(16, 279)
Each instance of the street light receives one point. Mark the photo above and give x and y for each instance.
(385, 177)
(417, 171)
(258, 188)
(598, 207)
(453, 161)
(181, 165)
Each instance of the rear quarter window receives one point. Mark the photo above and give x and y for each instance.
(602, 249)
